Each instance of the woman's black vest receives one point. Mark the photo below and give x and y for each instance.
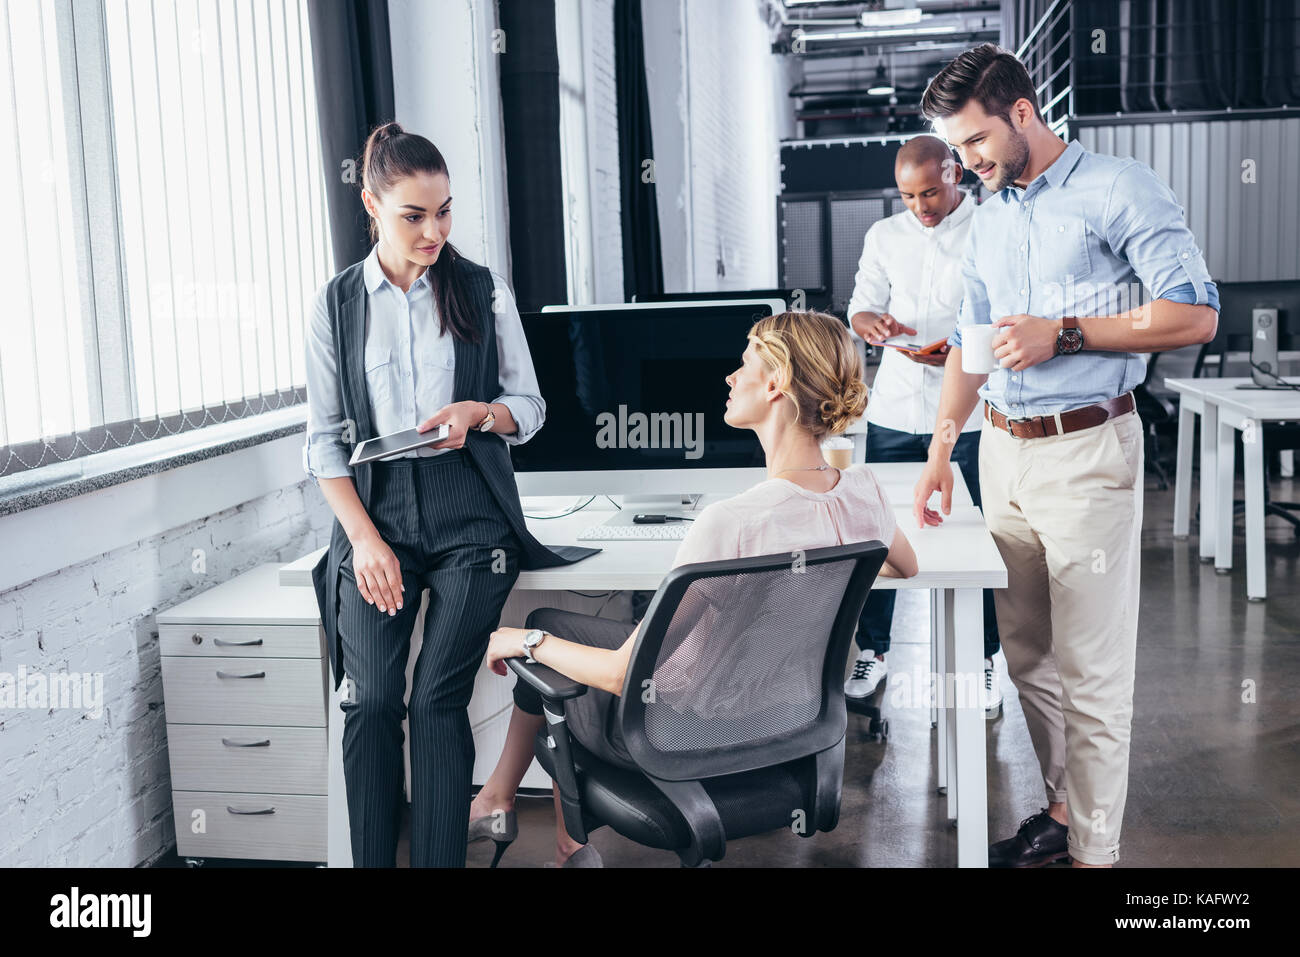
(476, 378)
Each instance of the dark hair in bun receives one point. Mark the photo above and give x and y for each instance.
(391, 154)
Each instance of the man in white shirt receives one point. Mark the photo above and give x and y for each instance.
(908, 289)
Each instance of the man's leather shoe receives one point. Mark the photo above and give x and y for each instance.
(1040, 840)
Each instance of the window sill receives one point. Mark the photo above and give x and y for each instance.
(90, 473)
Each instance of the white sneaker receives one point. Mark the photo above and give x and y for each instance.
(991, 695)
(868, 672)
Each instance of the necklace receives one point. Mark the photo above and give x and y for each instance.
(810, 468)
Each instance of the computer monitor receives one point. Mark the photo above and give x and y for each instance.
(773, 305)
(809, 295)
(1238, 302)
(635, 400)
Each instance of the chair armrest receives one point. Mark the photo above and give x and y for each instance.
(547, 682)
(554, 689)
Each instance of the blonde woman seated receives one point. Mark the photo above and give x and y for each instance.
(800, 380)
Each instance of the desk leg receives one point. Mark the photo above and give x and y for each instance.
(1253, 454)
(1223, 498)
(934, 653)
(955, 783)
(939, 650)
(971, 771)
(1209, 476)
(1183, 476)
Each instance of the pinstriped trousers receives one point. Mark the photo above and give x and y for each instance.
(449, 535)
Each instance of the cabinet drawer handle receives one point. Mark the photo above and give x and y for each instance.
(224, 643)
(264, 810)
(246, 744)
(227, 674)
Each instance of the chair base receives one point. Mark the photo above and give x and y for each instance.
(629, 803)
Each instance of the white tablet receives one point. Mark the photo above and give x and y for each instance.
(372, 450)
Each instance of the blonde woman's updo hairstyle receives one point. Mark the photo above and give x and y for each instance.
(818, 368)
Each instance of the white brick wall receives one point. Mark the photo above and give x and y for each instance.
(82, 791)
(718, 109)
(602, 136)
(734, 151)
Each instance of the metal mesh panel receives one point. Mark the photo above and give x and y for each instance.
(743, 658)
(801, 246)
(850, 220)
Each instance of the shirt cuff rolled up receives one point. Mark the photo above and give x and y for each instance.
(326, 460)
(527, 420)
(1187, 293)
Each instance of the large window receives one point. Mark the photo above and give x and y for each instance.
(167, 219)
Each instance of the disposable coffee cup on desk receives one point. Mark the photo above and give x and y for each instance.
(977, 348)
(838, 450)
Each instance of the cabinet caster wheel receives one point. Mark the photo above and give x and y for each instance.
(195, 861)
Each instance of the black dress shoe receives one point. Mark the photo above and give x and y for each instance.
(1040, 840)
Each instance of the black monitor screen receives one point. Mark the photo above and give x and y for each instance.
(627, 389)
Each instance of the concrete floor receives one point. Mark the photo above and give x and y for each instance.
(1214, 780)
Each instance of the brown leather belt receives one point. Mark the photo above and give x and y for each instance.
(1041, 426)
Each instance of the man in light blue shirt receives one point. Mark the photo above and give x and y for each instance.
(1083, 263)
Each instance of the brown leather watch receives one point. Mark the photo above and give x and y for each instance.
(1070, 338)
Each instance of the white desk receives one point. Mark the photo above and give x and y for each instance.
(957, 560)
(1191, 403)
(1246, 410)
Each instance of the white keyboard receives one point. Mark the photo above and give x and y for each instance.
(668, 532)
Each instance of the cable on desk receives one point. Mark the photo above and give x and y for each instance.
(1276, 378)
(576, 508)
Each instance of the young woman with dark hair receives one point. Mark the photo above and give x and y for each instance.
(416, 335)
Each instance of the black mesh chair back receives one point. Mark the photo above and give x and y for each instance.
(732, 709)
(739, 664)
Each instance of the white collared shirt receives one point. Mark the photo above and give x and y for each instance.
(913, 272)
(410, 368)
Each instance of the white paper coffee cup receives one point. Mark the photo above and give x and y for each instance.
(977, 348)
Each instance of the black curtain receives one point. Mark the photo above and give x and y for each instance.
(643, 269)
(354, 94)
(530, 114)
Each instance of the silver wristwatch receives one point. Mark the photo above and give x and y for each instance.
(531, 641)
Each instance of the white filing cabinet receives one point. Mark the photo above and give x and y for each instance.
(244, 685)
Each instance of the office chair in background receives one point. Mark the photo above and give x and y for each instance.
(744, 736)
(1155, 411)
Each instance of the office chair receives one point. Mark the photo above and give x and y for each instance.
(735, 735)
(1155, 411)
(1236, 302)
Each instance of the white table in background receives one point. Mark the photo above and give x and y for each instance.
(1192, 402)
(958, 560)
(1247, 411)
(899, 478)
